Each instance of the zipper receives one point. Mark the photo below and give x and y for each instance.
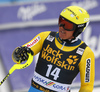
(63, 45)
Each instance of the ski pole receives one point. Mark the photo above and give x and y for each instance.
(18, 66)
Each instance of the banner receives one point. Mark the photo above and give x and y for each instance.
(43, 10)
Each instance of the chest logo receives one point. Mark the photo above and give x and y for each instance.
(55, 57)
(80, 51)
(72, 59)
(50, 38)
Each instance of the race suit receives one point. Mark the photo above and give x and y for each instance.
(59, 63)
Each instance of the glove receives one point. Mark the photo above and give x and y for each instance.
(20, 54)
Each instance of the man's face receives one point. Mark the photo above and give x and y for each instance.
(64, 34)
(66, 28)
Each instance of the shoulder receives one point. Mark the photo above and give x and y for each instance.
(88, 49)
(88, 53)
(45, 33)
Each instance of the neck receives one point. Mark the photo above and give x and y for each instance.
(69, 42)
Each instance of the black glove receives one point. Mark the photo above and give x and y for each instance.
(20, 54)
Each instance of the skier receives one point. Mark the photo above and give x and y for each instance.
(62, 55)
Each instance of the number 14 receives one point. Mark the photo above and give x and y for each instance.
(54, 73)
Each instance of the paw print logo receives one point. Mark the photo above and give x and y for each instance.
(72, 59)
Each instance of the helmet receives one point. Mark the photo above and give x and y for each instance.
(77, 16)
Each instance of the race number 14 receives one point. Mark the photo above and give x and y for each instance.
(54, 72)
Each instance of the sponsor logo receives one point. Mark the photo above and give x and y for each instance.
(77, 17)
(72, 59)
(33, 42)
(80, 51)
(87, 74)
(50, 38)
(54, 57)
(30, 11)
(41, 88)
(24, 66)
(86, 19)
(81, 25)
(44, 90)
(50, 83)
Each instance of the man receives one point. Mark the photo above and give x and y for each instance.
(62, 55)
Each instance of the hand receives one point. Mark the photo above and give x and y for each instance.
(20, 54)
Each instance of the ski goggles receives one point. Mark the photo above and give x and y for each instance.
(66, 24)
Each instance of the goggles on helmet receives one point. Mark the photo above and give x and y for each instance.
(66, 24)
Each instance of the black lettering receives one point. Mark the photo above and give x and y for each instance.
(87, 75)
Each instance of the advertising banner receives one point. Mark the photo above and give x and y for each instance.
(42, 10)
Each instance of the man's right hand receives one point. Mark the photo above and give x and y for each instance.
(20, 54)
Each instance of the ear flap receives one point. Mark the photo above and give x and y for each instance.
(78, 31)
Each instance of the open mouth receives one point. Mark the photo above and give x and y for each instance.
(63, 32)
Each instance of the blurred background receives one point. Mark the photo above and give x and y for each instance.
(21, 20)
